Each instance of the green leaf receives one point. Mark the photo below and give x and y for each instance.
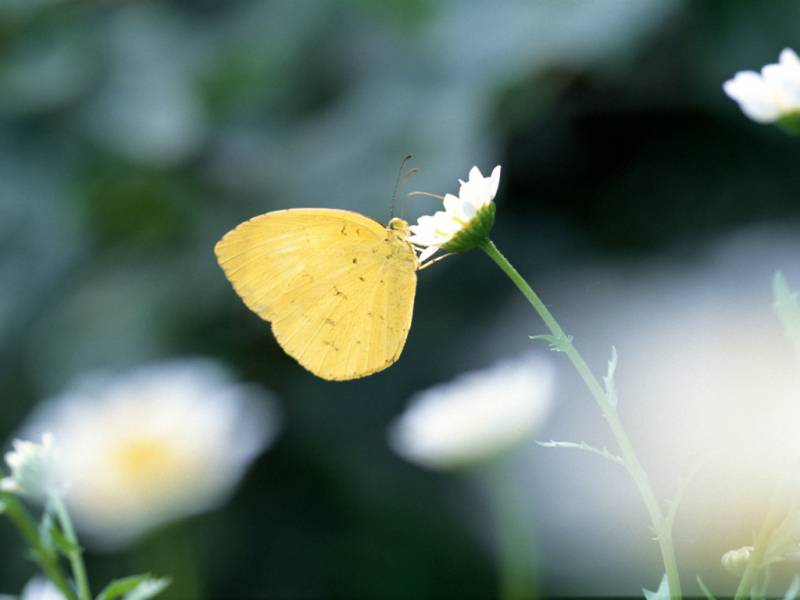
(604, 453)
(706, 592)
(787, 307)
(135, 587)
(149, 588)
(608, 380)
(557, 344)
(794, 589)
(661, 594)
(66, 547)
(118, 587)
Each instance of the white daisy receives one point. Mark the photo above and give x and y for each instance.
(468, 210)
(475, 417)
(773, 94)
(161, 442)
(38, 589)
(34, 472)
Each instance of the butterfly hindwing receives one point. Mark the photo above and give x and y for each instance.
(337, 287)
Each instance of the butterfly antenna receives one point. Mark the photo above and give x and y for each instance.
(406, 176)
(397, 182)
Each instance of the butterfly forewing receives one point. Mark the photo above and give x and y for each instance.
(338, 287)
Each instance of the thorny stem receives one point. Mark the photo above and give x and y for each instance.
(76, 554)
(660, 524)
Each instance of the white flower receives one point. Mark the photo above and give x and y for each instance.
(38, 589)
(33, 469)
(435, 231)
(771, 95)
(41, 589)
(476, 416)
(735, 561)
(156, 444)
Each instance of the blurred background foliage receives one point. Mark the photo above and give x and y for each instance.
(134, 134)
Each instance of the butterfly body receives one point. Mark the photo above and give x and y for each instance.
(337, 287)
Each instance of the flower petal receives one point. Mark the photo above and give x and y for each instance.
(495, 179)
(427, 253)
(452, 204)
(784, 82)
(754, 96)
(788, 58)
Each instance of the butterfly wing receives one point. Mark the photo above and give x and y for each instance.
(337, 286)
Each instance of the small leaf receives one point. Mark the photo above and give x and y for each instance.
(605, 453)
(66, 547)
(150, 588)
(608, 380)
(794, 589)
(135, 587)
(661, 594)
(557, 344)
(706, 592)
(787, 307)
(118, 587)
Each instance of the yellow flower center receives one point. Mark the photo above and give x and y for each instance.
(146, 459)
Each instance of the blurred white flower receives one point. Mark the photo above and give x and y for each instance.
(461, 214)
(476, 416)
(772, 95)
(41, 589)
(735, 561)
(37, 589)
(155, 444)
(34, 471)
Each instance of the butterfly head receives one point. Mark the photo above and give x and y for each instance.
(399, 227)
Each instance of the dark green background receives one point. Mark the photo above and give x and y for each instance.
(134, 134)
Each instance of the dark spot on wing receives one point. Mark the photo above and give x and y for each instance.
(355, 261)
(338, 292)
(331, 344)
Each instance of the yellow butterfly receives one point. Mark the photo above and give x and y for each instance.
(337, 286)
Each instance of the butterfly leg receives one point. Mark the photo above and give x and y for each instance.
(433, 261)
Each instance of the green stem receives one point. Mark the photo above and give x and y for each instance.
(44, 557)
(659, 523)
(175, 551)
(516, 557)
(754, 564)
(75, 556)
